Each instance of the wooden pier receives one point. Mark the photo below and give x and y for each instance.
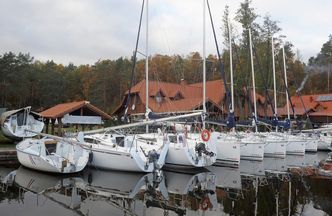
(8, 156)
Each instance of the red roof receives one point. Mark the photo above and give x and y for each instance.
(62, 109)
(322, 113)
(190, 96)
(214, 89)
(313, 105)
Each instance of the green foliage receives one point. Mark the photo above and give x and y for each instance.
(320, 68)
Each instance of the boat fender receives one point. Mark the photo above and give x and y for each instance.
(90, 157)
(205, 135)
(206, 203)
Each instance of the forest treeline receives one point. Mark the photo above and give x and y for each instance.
(25, 81)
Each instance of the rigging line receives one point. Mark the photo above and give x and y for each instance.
(240, 67)
(158, 80)
(305, 109)
(263, 77)
(219, 58)
(134, 58)
(287, 89)
(298, 93)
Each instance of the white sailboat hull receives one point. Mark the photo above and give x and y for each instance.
(228, 148)
(295, 148)
(311, 142)
(14, 123)
(252, 147)
(127, 153)
(32, 153)
(275, 145)
(134, 160)
(311, 146)
(275, 149)
(14, 131)
(252, 151)
(183, 154)
(323, 145)
(295, 145)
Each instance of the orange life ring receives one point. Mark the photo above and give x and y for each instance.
(205, 135)
(206, 204)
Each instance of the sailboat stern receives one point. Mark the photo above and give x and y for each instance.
(227, 148)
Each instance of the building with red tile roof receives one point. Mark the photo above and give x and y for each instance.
(180, 97)
(79, 112)
(318, 107)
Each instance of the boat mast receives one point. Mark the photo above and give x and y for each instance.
(204, 68)
(147, 66)
(286, 84)
(231, 67)
(253, 78)
(274, 81)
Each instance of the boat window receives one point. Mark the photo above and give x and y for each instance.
(50, 147)
(20, 119)
(172, 139)
(91, 140)
(120, 141)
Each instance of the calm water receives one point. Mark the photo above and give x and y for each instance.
(255, 188)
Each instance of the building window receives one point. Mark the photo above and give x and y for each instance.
(159, 97)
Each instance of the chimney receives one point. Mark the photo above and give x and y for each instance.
(183, 82)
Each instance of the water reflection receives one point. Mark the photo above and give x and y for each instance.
(121, 192)
(192, 192)
(255, 188)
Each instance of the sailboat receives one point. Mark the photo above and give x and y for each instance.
(15, 123)
(52, 154)
(113, 150)
(134, 153)
(187, 149)
(275, 144)
(227, 144)
(252, 147)
(294, 145)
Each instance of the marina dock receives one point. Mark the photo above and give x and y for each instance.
(8, 155)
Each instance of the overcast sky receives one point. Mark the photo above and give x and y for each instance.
(83, 31)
